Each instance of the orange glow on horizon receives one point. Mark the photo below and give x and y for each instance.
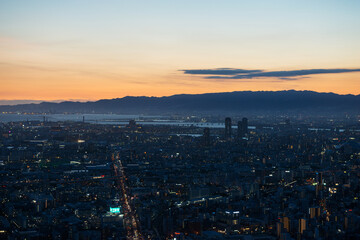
(33, 72)
(32, 83)
(90, 79)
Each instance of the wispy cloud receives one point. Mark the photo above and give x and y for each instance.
(219, 71)
(231, 73)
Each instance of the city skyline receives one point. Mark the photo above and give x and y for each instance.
(90, 50)
(180, 120)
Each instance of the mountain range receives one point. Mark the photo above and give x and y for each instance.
(290, 101)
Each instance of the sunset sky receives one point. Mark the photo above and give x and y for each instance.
(88, 50)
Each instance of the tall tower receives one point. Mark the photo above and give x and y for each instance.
(227, 128)
(240, 131)
(245, 125)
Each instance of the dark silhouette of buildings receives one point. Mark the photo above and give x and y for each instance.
(245, 125)
(227, 128)
(206, 136)
(240, 130)
(176, 187)
(132, 124)
(287, 122)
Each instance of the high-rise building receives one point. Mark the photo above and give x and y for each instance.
(286, 223)
(279, 228)
(227, 128)
(302, 225)
(240, 130)
(314, 212)
(245, 125)
(206, 136)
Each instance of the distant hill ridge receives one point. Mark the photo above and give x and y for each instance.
(212, 103)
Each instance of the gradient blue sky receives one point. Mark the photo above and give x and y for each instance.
(106, 49)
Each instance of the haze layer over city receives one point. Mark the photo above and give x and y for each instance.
(187, 120)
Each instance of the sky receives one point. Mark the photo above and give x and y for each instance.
(92, 49)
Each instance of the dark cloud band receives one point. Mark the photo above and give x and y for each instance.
(218, 73)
